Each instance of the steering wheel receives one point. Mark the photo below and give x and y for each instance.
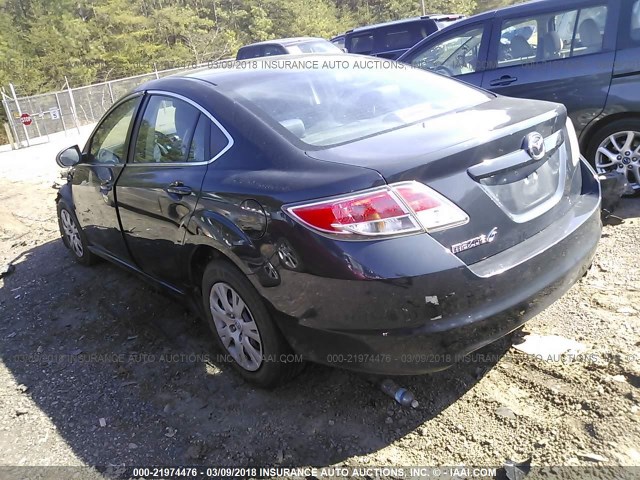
(442, 70)
(163, 142)
(107, 156)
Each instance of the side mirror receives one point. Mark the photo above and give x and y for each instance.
(69, 157)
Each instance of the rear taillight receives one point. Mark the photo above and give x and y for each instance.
(573, 141)
(434, 211)
(398, 209)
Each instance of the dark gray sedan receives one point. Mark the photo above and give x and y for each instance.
(351, 211)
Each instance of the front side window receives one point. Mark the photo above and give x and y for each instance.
(454, 55)
(166, 131)
(109, 142)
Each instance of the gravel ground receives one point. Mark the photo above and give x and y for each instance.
(99, 369)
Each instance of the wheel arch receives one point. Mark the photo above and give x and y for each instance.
(204, 254)
(201, 256)
(65, 195)
(602, 123)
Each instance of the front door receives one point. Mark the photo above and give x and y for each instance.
(459, 53)
(94, 178)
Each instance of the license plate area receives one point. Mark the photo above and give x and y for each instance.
(523, 198)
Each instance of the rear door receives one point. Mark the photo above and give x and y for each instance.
(625, 87)
(159, 189)
(461, 52)
(556, 53)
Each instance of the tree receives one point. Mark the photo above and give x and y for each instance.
(87, 41)
(465, 7)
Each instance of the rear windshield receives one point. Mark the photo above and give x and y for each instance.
(328, 106)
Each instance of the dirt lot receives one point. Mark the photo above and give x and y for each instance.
(99, 369)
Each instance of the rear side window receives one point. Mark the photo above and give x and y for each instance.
(590, 32)
(551, 36)
(397, 39)
(635, 22)
(269, 50)
(208, 141)
(198, 150)
(518, 42)
(166, 131)
(338, 42)
(248, 52)
(362, 44)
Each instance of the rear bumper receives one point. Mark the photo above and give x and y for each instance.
(414, 324)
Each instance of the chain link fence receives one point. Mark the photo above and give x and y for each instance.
(32, 119)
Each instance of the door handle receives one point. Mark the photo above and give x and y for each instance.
(178, 188)
(503, 81)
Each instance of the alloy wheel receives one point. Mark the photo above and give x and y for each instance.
(620, 152)
(236, 326)
(72, 233)
(287, 256)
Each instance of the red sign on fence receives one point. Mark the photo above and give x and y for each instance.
(25, 118)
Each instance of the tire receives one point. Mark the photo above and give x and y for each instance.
(73, 236)
(625, 160)
(246, 334)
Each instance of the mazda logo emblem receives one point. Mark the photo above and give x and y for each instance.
(534, 146)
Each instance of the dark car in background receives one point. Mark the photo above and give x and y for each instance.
(338, 41)
(584, 54)
(392, 39)
(286, 46)
(379, 222)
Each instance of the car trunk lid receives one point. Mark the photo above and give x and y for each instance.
(478, 159)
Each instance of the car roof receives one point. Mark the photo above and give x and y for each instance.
(519, 8)
(225, 74)
(434, 17)
(285, 42)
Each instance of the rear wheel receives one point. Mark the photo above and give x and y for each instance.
(244, 329)
(73, 236)
(616, 148)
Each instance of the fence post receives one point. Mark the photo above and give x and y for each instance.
(35, 118)
(15, 99)
(7, 131)
(113, 100)
(64, 127)
(12, 125)
(73, 105)
(93, 117)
